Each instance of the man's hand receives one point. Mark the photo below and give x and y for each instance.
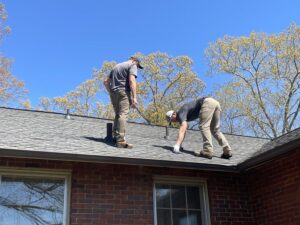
(107, 82)
(134, 103)
(176, 148)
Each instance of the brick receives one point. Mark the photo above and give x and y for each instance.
(122, 194)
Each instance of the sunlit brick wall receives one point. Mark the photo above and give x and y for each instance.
(104, 194)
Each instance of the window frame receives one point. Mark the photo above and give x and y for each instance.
(45, 173)
(200, 182)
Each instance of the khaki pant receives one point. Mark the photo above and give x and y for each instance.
(121, 103)
(210, 124)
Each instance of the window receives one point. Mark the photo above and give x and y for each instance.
(29, 197)
(180, 203)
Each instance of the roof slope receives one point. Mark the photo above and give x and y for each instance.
(279, 141)
(285, 143)
(37, 134)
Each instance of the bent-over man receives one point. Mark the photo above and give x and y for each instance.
(208, 111)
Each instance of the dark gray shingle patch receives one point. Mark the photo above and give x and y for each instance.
(278, 142)
(50, 132)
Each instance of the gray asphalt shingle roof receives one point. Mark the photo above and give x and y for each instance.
(279, 141)
(50, 135)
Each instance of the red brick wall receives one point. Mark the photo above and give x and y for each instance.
(229, 200)
(120, 194)
(274, 190)
(106, 194)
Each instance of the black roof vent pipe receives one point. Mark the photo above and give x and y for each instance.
(68, 114)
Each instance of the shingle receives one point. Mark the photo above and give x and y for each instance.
(51, 132)
(279, 141)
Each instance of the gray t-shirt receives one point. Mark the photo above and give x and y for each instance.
(120, 75)
(190, 111)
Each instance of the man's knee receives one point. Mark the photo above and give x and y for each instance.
(215, 130)
(123, 115)
(204, 127)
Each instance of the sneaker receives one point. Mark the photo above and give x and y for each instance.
(123, 145)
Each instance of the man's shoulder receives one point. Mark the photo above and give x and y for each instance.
(181, 114)
(125, 64)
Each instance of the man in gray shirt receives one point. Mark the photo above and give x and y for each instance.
(208, 111)
(121, 85)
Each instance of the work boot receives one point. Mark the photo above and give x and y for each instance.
(204, 153)
(226, 153)
(124, 145)
(226, 156)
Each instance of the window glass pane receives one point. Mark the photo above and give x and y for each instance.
(180, 217)
(194, 217)
(163, 195)
(31, 201)
(164, 217)
(193, 197)
(178, 197)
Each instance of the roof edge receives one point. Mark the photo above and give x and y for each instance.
(267, 156)
(114, 160)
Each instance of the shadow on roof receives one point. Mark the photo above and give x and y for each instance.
(102, 140)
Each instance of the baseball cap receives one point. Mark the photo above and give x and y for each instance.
(169, 115)
(138, 62)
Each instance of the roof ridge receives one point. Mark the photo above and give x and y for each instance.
(100, 118)
(287, 133)
(51, 112)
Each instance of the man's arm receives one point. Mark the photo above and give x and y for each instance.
(181, 133)
(107, 82)
(132, 84)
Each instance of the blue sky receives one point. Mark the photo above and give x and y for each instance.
(55, 44)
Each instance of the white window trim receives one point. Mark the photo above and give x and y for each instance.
(184, 181)
(45, 173)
